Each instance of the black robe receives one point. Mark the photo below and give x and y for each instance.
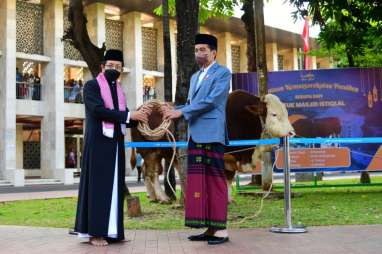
(98, 164)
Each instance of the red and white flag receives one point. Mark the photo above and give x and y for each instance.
(305, 37)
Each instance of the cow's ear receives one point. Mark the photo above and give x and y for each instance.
(256, 109)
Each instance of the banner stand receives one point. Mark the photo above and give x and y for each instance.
(289, 227)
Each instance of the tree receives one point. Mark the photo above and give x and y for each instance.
(167, 52)
(169, 181)
(207, 9)
(352, 28)
(371, 57)
(219, 8)
(248, 19)
(344, 24)
(187, 20)
(192, 13)
(78, 36)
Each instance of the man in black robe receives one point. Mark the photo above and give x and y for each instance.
(101, 192)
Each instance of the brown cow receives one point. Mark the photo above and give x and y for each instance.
(152, 165)
(250, 117)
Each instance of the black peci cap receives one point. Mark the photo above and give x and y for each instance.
(206, 39)
(114, 55)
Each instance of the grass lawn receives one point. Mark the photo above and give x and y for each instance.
(313, 206)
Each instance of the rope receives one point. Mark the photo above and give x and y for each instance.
(161, 130)
(158, 133)
(266, 194)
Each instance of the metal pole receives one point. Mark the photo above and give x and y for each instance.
(287, 194)
(288, 228)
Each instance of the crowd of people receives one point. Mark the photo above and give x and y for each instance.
(148, 93)
(73, 91)
(28, 85)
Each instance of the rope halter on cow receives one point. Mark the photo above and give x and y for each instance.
(155, 131)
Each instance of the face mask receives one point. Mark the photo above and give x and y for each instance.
(112, 75)
(201, 59)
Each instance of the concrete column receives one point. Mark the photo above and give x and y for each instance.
(160, 47)
(159, 82)
(19, 147)
(132, 49)
(7, 91)
(295, 59)
(204, 30)
(95, 13)
(132, 82)
(243, 57)
(173, 56)
(314, 62)
(52, 124)
(224, 56)
(87, 74)
(19, 176)
(274, 57)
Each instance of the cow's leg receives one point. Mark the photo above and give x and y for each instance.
(150, 188)
(147, 170)
(162, 197)
(229, 185)
(230, 169)
(180, 171)
(229, 177)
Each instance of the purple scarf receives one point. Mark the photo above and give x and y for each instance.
(108, 127)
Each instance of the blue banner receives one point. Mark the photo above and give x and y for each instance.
(339, 103)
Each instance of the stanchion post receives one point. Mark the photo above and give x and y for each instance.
(289, 227)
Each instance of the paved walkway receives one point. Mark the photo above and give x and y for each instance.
(8, 193)
(319, 240)
(5, 197)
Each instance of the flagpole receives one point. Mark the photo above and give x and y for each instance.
(305, 38)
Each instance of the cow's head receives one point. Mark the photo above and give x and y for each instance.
(277, 123)
(273, 115)
(274, 118)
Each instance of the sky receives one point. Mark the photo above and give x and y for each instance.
(278, 14)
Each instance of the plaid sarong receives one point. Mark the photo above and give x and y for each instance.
(206, 188)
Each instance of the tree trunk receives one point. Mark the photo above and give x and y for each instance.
(187, 19)
(350, 58)
(78, 36)
(249, 23)
(133, 207)
(167, 53)
(248, 19)
(262, 76)
(167, 89)
(262, 72)
(365, 177)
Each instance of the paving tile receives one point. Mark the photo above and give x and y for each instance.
(319, 240)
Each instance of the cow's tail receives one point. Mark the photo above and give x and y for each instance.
(133, 159)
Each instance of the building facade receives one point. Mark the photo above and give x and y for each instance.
(41, 116)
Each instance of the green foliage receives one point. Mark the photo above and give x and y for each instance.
(370, 55)
(207, 9)
(348, 27)
(171, 9)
